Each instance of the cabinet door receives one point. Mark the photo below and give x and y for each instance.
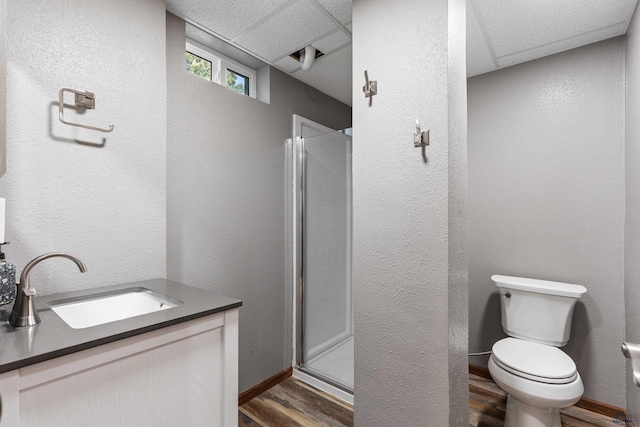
(177, 384)
(175, 376)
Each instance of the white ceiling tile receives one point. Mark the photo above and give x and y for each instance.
(340, 9)
(226, 18)
(289, 30)
(561, 45)
(287, 64)
(479, 59)
(515, 26)
(332, 42)
(202, 37)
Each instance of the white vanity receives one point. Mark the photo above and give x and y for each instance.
(172, 367)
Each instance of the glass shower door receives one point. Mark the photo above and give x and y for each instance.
(327, 327)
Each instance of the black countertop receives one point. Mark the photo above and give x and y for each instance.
(52, 337)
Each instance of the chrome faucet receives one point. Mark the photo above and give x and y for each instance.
(24, 312)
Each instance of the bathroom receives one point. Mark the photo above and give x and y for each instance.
(128, 206)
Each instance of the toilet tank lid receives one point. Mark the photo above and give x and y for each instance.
(540, 286)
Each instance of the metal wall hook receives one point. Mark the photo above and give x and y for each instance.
(370, 88)
(82, 99)
(420, 138)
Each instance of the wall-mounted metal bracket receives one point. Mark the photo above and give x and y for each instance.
(86, 100)
(420, 137)
(83, 99)
(370, 88)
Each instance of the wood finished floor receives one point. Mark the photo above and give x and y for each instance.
(293, 403)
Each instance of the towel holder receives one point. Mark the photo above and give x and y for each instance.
(83, 99)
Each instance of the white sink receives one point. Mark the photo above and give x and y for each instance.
(92, 310)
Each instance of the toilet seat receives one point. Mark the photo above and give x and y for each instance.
(533, 361)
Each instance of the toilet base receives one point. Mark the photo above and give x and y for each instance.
(520, 414)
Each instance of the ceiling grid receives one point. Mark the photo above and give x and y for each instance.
(499, 33)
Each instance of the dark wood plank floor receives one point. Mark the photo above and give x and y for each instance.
(293, 403)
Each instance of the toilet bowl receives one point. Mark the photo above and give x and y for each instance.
(538, 385)
(537, 376)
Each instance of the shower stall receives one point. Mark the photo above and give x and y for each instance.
(320, 200)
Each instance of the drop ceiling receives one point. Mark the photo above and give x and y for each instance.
(504, 33)
(273, 29)
(500, 33)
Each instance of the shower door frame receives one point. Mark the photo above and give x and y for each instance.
(295, 174)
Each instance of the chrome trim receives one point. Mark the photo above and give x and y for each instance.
(325, 379)
(301, 162)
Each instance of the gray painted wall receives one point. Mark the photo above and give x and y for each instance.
(632, 206)
(546, 198)
(401, 224)
(67, 188)
(226, 198)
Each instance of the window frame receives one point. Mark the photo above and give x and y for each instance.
(242, 76)
(226, 63)
(204, 59)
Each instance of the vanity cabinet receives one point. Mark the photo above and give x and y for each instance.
(181, 375)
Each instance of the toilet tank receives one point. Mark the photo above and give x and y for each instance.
(537, 310)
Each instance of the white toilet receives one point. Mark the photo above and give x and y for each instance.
(538, 377)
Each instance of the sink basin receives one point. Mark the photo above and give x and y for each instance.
(98, 309)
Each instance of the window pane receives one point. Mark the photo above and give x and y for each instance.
(237, 82)
(197, 65)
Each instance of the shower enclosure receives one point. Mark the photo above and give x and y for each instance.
(321, 220)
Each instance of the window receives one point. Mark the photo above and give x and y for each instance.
(211, 65)
(198, 66)
(237, 82)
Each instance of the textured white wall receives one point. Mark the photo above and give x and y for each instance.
(225, 198)
(3, 84)
(632, 203)
(401, 224)
(546, 198)
(105, 204)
